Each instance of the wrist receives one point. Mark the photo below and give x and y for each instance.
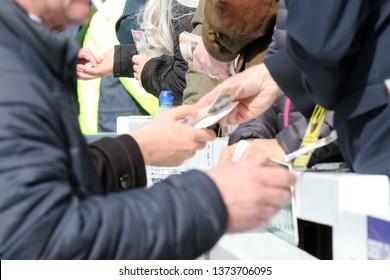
(144, 146)
(266, 83)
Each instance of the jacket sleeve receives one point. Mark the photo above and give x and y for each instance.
(114, 157)
(166, 73)
(123, 64)
(43, 216)
(323, 48)
(288, 76)
(264, 126)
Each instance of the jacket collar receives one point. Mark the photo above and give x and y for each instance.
(58, 52)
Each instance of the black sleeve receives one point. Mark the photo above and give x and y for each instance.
(263, 126)
(123, 65)
(119, 163)
(166, 72)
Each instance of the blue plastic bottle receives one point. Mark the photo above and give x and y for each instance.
(165, 101)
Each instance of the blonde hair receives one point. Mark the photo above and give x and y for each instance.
(155, 18)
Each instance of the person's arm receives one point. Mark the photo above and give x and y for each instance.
(263, 126)
(117, 62)
(49, 213)
(322, 38)
(165, 72)
(287, 75)
(119, 163)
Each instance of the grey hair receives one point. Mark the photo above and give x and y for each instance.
(155, 18)
(189, 3)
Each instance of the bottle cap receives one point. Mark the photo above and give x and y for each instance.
(166, 97)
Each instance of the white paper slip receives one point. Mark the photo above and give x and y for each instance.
(216, 116)
(139, 38)
(188, 43)
(219, 108)
(311, 147)
(241, 147)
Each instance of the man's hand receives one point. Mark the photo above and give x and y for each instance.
(85, 56)
(252, 191)
(166, 141)
(256, 91)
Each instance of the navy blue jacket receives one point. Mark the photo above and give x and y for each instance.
(282, 121)
(128, 21)
(337, 56)
(53, 204)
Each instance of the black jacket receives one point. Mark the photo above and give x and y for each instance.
(52, 201)
(280, 31)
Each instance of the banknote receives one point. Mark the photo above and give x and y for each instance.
(219, 108)
(139, 38)
(188, 43)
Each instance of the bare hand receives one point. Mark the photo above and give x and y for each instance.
(85, 56)
(139, 63)
(252, 191)
(256, 91)
(103, 66)
(166, 141)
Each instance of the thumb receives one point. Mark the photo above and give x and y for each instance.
(99, 59)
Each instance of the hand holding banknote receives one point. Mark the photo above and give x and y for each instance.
(220, 107)
(255, 90)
